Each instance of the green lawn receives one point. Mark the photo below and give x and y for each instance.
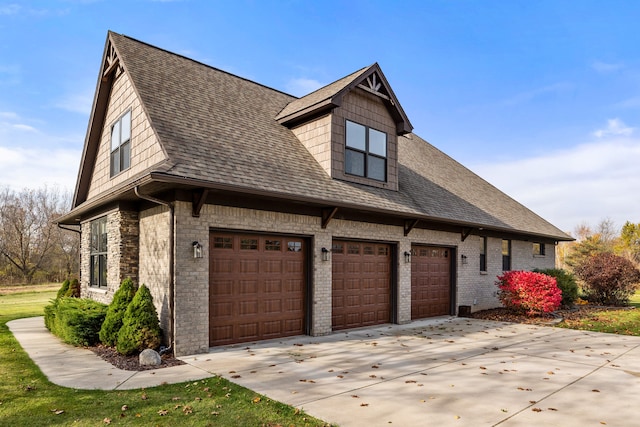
(27, 398)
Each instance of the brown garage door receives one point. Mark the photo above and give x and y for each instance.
(257, 287)
(361, 286)
(430, 281)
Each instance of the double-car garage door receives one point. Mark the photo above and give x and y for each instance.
(258, 285)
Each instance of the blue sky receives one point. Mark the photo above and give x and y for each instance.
(541, 98)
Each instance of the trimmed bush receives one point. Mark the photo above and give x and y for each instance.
(140, 326)
(74, 289)
(115, 313)
(75, 321)
(63, 289)
(529, 292)
(566, 282)
(608, 279)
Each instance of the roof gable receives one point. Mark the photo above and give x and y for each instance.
(371, 79)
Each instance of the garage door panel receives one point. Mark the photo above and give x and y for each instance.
(430, 281)
(361, 284)
(257, 287)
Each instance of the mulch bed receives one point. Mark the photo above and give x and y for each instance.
(576, 313)
(130, 363)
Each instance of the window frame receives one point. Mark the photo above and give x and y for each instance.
(367, 152)
(506, 257)
(483, 254)
(98, 249)
(541, 252)
(123, 149)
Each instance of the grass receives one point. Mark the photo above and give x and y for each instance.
(27, 398)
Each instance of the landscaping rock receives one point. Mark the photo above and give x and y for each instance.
(149, 357)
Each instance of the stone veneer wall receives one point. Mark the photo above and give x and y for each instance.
(473, 288)
(122, 254)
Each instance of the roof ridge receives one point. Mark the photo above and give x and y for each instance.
(203, 64)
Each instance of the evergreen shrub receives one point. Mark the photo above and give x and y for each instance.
(75, 321)
(115, 313)
(140, 326)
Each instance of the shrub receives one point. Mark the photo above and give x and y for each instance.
(566, 282)
(140, 326)
(75, 321)
(74, 289)
(530, 292)
(115, 313)
(63, 289)
(608, 279)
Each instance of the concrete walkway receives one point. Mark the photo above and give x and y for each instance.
(437, 372)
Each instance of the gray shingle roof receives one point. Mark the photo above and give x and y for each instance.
(222, 129)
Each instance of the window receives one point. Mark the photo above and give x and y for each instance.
(538, 249)
(483, 254)
(365, 152)
(98, 253)
(506, 255)
(121, 144)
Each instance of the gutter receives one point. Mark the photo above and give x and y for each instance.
(172, 335)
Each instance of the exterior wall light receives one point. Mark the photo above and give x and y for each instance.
(407, 257)
(464, 259)
(325, 254)
(197, 250)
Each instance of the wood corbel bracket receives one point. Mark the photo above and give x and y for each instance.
(327, 215)
(199, 198)
(465, 233)
(410, 224)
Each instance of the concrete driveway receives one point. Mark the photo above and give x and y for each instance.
(445, 371)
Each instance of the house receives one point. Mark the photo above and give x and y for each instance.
(252, 214)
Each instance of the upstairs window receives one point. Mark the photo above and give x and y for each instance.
(365, 152)
(121, 144)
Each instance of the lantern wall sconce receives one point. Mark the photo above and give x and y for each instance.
(407, 257)
(326, 254)
(464, 259)
(197, 249)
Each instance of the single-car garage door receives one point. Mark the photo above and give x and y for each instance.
(257, 287)
(361, 284)
(430, 281)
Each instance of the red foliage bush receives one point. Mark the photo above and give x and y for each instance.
(533, 293)
(608, 279)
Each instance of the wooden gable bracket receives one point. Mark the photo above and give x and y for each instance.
(410, 224)
(111, 62)
(327, 215)
(465, 233)
(199, 198)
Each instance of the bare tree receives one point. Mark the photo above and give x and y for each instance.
(28, 234)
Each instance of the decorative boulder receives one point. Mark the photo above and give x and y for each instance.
(149, 357)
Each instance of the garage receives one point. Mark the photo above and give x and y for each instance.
(430, 281)
(257, 287)
(361, 284)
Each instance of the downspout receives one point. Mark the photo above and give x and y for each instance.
(171, 261)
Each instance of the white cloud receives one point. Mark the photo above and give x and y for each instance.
(9, 9)
(603, 67)
(614, 127)
(302, 86)
(77, 102)
(586, 183)
(629, 103)
(34, 168)
(525, 97)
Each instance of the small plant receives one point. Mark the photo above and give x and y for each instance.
(63, 289)
(608, 279)
(567, 284)
(75, 321)
(140, 325)
(74, 289)
(115, 313)
(530, 292)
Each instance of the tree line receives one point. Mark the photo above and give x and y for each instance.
(33, 249)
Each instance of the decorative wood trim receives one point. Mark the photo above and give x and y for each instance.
(465, 233)
(327, 215)
(410, 224)
(199, 198)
